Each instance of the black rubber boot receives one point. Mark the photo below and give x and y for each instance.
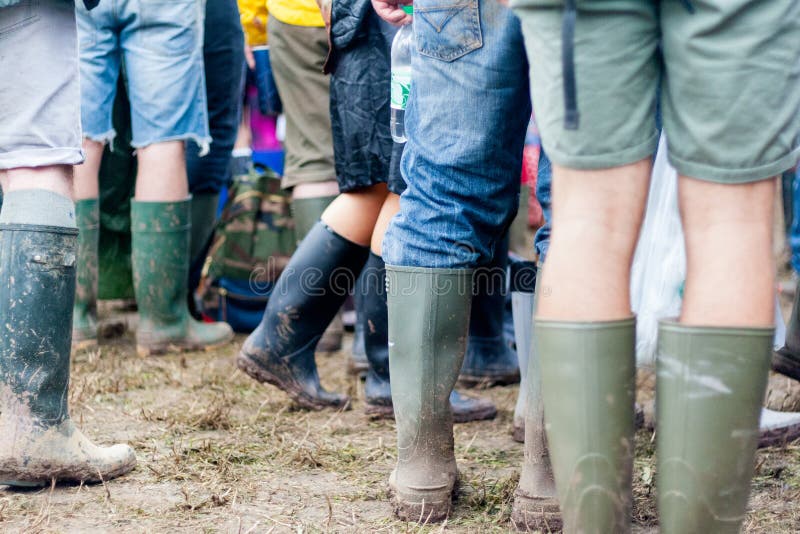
(489, 360)
(305, 299)
(377, 388)
(38, 440)
(786, 360)
(357, 364)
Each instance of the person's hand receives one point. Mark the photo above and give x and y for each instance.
(392, 11)
(325, 9)
(248, 57)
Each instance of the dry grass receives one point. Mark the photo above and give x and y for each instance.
(220, 453)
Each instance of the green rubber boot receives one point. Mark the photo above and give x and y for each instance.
(429, 313)
(710, 385)
(160, 232)
(306, 212)
(588, 385)
(84, 315)
(38, 440)
(535, 505)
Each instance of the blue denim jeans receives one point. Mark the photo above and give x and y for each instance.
(466, 120)
(794, 229)
(544, 178)
(223, 57)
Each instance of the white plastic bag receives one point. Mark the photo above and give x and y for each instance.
(659, 264)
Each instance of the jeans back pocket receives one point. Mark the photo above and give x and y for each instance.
(447, 29)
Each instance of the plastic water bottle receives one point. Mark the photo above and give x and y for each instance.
(401, 77)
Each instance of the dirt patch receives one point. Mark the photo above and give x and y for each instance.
(219, 452)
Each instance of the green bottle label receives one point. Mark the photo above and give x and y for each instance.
(401, 84)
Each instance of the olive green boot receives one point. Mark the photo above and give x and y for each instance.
(38, 440)
(535, 505)
(306, 212)
(710, 385)
(160, 257)
(84, 315)
(588, 383)
(429, 313)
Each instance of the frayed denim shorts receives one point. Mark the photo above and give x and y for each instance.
(160, 45)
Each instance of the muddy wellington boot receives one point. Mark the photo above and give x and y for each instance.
(535, 505)
(306, 212)
(38, 440)
(377, 387)
(84, 315)
(588, 382)
(490, 360)
(786, 360)
(305, 299)
(710, 385)
(522, 285)
(160, 258)
(428, 324)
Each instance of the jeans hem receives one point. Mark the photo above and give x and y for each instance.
(204, 142)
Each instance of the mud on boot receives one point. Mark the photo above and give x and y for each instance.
(160, 258)
(306, 297)
(84, 315)
(428, 322)
(38, 440)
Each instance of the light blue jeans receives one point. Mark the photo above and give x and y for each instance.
(466, 120)
(161, 46)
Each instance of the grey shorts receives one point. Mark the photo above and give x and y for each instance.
(40, 115)
(728, 72)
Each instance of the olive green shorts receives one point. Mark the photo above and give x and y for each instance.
(297, 54)
(728, 70)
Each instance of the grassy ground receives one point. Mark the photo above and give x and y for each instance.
(220, 453)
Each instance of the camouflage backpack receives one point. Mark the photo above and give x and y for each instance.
(253, 242)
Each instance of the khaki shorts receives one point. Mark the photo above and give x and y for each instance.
(730, 83)
(297, 54)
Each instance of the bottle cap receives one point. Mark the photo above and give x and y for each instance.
(409, 9)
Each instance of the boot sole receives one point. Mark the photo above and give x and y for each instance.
(423, 510)
(255, 371)
(63, 476)
(160, 349)
(778, 437)
(490, 412)
(785, 365)
(377, 411)
(482, 382)
(535, 514)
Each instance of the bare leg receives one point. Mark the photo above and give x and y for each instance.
(730, 275)
(596, 220)
(390, 208)
(56, 178)
(315, 189)
(87, 175)
(162, 173)
(353, 215)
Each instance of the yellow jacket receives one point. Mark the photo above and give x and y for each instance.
(295, 12)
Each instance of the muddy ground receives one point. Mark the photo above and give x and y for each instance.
(220, 453)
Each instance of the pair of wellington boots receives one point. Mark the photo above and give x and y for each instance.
(39, 443)
(160, 256)
(710, 385)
